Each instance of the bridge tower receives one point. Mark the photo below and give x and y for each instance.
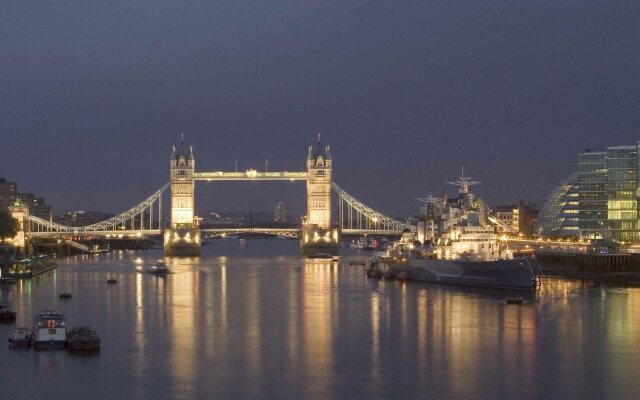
(19, 211)
(182, 238)
(318, 234)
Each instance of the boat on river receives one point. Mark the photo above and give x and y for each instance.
(49, 331)
(158, 269)
(470, 256)
(514, 274)
(83, 338)
(321, 255)
(7, 315)
(20, 337)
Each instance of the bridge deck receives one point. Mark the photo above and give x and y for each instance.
(292, 232)
(250, 175)
(103, 234)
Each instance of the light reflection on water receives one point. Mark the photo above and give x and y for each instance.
(252, 319)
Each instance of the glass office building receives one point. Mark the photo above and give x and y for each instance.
(599, 201)
(622, 193)
(592, 193)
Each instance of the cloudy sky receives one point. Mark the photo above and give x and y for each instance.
(93, 95)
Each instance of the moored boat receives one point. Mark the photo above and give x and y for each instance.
(158, 269)
(83, 338)
(7, 315)
(19, 337)
(469, 256)
(513, 274)
(49, 331)
(320, 255)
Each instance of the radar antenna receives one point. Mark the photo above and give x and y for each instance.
(464, 182)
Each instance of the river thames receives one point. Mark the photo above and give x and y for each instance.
(253, 319)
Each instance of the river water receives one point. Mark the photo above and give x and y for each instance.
(253, 319)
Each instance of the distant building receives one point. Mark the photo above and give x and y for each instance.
(280, 213)
(508, 215)
(36, 205)
(237, 219)
(8, 192)
(521, 217)
(600, 201)
(81, 218)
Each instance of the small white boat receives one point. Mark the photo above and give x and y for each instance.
(19, 337)
(158, 269)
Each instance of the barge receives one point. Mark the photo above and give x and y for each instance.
(83, 338)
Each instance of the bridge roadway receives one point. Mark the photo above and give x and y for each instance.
(206, 233)
(110, 234)
(250, 175)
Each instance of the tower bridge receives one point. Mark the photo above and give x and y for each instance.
(182, 235)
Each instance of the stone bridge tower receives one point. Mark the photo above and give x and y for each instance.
(183, 236)
(182, 166)
(318, 233)
(319, 165)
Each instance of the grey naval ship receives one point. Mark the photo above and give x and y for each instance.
(456, 242)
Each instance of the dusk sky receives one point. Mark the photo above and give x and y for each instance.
(94, 94)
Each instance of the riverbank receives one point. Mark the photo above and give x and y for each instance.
(629, 277)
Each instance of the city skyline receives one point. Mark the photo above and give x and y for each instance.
(404, 95)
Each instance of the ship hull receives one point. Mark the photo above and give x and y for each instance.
(49, 344)
(87, 344)
(514, 274)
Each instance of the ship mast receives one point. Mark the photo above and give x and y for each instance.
(464, 182)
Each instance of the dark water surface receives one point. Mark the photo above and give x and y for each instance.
(253, 319)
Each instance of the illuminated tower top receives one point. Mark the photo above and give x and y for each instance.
(319, 158)
(183, 156)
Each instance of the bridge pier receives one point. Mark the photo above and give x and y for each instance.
(314, 239)
(182, 242)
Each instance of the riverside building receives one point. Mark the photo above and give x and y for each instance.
(36, 205)
(599, 201)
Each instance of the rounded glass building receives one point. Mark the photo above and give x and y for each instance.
(558, 217)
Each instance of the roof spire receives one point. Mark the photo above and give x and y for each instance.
(182, 139)
(318, 139)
